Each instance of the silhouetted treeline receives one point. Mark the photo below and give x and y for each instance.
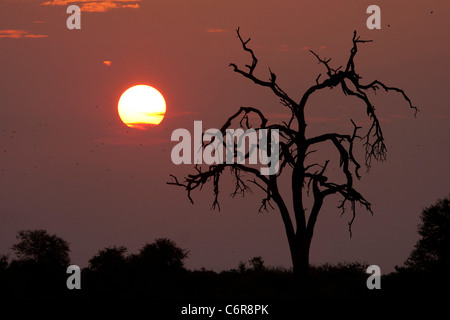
(157, 272)
(37, 270)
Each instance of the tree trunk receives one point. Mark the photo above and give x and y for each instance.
(300, 261)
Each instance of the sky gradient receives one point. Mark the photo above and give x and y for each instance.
(70, 166)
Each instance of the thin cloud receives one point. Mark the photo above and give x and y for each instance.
(442, 117)
(285, 116)
(277, 115)
(212, 30)
(173, 114)
(19, 34)
(283, 48)
(393, 118)
(132, 140)
(399, 116)
(307, 48)
(95, 5)
(321, 119)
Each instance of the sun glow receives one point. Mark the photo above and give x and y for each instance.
(141, 107)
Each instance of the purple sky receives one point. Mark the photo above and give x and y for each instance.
(70, 166)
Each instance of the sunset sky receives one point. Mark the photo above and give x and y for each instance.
(70, 166)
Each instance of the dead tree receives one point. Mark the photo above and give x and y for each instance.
(294, 147)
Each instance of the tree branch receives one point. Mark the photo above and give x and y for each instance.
(270, 84)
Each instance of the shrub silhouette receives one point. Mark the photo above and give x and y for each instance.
(39, 269)
(42, 248)
(162, 255)
(432, 252)
(109, 260)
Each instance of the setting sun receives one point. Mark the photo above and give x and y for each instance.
(141, 106)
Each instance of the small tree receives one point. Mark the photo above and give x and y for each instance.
(3, 262)
(162, 255)
(432, 250)
(307, 180)
(242, 267)
(109, 259)
(110, 272)
(257, 263)
(39, 247)
(39, 268)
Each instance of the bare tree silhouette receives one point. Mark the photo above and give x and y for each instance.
(294, 148)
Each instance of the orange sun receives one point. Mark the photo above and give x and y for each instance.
(141, 107)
